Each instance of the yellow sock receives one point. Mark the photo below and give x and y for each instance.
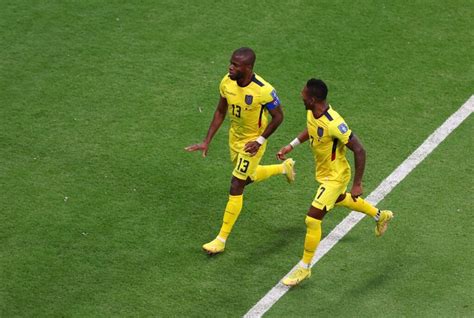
(265, 172)
(359, 205)
(232, 211)
(313, 236)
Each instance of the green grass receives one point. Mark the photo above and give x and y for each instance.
(98, 101)
(420, 267)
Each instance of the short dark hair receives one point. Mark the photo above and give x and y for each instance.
(317, 89)
(248, 53)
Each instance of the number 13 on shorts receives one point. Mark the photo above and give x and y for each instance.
(245, 166)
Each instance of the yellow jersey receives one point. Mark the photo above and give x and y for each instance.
(247, 108)
(328, 135)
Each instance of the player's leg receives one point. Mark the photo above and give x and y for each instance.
(323, 202)
(245, 166)
(263, 172)
(233, 207)
(358, 204)
(381, 217)
(313, 237)
(287, 168)
(231, 213)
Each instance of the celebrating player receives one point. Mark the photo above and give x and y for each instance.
(247, 98)
(329, 137)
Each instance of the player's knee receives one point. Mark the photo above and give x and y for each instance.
(237, 186)
(316, 213)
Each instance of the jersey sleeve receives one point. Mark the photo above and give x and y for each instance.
(270, 98)
(341, 131)
(222, 84)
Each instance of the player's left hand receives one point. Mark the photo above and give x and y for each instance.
(283, 151)
(356, 191)
(252, 147)
(202, 147)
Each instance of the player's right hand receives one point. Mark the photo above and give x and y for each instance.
(283, 151)
(202, 146)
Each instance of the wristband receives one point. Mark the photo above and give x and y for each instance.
(295, 143)
(261, 140)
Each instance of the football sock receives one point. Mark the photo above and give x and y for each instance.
(377, 216)
(360, 205)
(304, 265)
(232, 211)
(313, 236)
(265, 172)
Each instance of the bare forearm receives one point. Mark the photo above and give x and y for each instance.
(219, 116)
(277, 119)
(359, 158)
(303, 136)
(214, 126)
(359, 162)
(272, 126)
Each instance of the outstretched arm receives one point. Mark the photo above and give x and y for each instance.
(302, 137)
(277, 118)
(359, 161)
(219, 116)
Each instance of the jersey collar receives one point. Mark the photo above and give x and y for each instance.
(326, 113)
(252, 79)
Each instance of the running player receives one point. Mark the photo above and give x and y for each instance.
(329, 138)
(247, 98)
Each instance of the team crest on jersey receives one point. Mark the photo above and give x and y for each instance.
(320, 133)
(343, 128)
(248, 99)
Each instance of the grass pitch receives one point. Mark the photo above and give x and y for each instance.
(103, 213)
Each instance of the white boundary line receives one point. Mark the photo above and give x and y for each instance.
(375, 197)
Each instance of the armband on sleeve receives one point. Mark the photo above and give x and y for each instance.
(275, 101)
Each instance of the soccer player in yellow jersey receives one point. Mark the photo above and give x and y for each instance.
(247, 99)
(329, 137)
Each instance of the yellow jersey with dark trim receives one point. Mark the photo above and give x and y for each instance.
(247, 109)
(328, 136)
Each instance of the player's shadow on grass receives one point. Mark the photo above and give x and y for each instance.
(269, 245)
(374, 282)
